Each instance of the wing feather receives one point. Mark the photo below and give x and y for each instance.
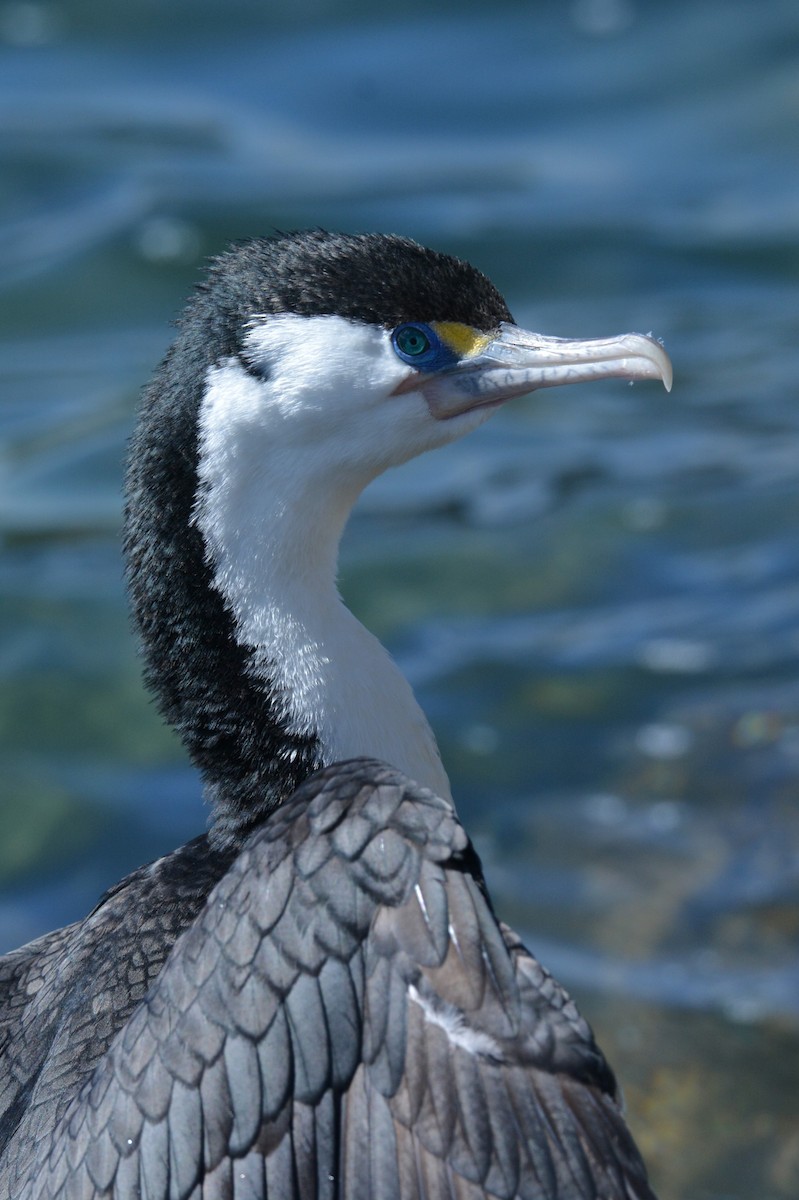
(369, 1031)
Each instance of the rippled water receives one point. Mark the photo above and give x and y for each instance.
(596, 597)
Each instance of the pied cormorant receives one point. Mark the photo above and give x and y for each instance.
(315, 998)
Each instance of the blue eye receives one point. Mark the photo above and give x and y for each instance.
(420, 346)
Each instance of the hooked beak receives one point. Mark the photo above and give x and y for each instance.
(515, 362)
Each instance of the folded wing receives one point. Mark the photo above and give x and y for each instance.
(346, 1018)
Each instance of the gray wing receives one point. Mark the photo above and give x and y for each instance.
(346, 1018)
(64, 997)
(23, 975)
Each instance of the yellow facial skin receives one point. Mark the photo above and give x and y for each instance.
(463, 340)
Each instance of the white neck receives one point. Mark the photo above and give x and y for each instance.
(272, 528)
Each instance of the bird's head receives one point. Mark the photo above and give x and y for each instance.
(346, 355)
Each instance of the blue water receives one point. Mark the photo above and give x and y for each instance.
(596, 597)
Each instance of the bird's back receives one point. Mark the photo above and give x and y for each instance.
(344, 1017)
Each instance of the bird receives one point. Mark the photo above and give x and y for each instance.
(314, 997)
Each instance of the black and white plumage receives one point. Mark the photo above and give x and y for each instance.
(315, 999)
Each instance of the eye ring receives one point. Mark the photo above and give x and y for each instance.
(422, 346)
(411, 342)
(416, 344)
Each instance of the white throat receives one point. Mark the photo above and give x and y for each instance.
(272, 514)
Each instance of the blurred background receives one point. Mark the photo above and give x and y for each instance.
(596, 596)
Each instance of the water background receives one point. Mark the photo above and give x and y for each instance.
(596, 597)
